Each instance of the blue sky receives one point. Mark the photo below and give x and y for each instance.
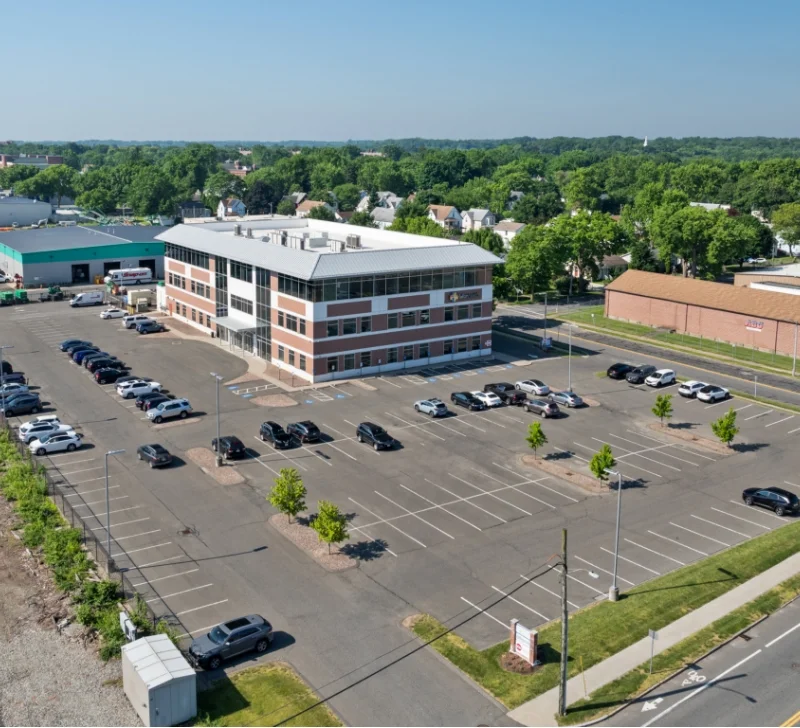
(270, 70)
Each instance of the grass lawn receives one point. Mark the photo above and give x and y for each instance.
(605, 628)
(261, 696)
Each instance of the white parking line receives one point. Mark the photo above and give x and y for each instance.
(515, 489)
(478, 528)
(110, 513)
(716, 404)
(524, 606)
(570, 453)
(84, 470)
(70, 454)
(739, 518)
(389, 381)
(689, 530)
(760, 414)
(760, 512)
(144, 548)
(496, 497)
(791, 432)
(777, 422)
(549, 591)
(647, 437)
(780, 637)
(195, 631)
(261, 462)
(631, 561)
(606, 571)
(176, 594)
(795, 485)
(279, 452)
(631, 453)
(485, 613)
(197, 609)
(447, 427)
(360, 529)
(410, 513)
(508, 417)
(628, 463)
(466, 500)
(652, 551)
(536, 482)
(391, 525)
(583, 583)
(739, 409)
(137, 535)
(462, 421)
(102, 500)
(94, 490)
(90, 480)
(672, 540)
(411, 424)
(124, 523)
(719, 525)
(659, 448)
(139, 567)
(164, 578)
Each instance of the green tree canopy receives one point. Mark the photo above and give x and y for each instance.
(322, 212)
(487, 238)
(288, 494)
(602, 461)
(330, 524)
(362, 219)
(786, 220)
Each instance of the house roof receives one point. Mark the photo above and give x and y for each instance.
(478, 213)
(614, 261)
(228, 201)
(509, 226)
(383, 214)
(78, 236)
(307, 205)
(441, 212)
(719, 296)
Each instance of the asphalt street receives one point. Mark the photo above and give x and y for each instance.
(752, 681)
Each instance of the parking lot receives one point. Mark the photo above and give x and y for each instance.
(450, 522)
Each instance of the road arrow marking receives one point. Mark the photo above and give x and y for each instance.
(651, 704)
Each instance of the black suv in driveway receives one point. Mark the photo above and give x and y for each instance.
(777, 499)
(638, 374)
(230, 447)
(619, 370)
(465, 399)
(374, 435)
(246, 634)
(506, 392)
(155, 455)
(273, 433)
(305, 431)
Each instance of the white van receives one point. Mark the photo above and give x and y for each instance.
(126, 276)
(89, 298)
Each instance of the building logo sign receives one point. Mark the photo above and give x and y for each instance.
(455, 296)
(523, 642)
(753, 325)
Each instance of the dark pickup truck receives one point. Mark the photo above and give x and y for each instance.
(506, 392)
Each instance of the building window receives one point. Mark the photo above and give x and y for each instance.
(303, 362)
(463, 312)
(194, 315)
(242, 271)
(281, 353)
(333, 328)
(408, 353)
(476, 343)
(366, 358)
(241, 304)
(291, 358)
(424, 351)
(448, 313)
(448, 346)
(183, 308)
(281, 321)
(366, 325)
(424, 316)
(208, 320)
(462, 345)
(391, 356)
(348, 326)
(476, 310)
(349, 362)
(392, 321)
(302, 327)
(169, 279)
(291, 322)
(333, 363)
(409, 318)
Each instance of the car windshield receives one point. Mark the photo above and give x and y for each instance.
(217, 636)
(158, 450)
(378, 430)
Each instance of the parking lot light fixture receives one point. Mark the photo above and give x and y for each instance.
(613, 591)
(218, 458)
(108, 508)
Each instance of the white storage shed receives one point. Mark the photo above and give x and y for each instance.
(158, 681)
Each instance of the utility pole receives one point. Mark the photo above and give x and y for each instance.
(108, 510)
(218, 453)
(613, 592)
(562, 685)
(569, 359)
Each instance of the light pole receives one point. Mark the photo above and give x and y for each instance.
(613, 591)
(2, 349)
(108, 508)
(217, 378)
(569, 359)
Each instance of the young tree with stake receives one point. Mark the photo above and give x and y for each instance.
(536, 437)
(330, 524)
(663, 407)
(725, 427)
(288, 494)
(602, 461)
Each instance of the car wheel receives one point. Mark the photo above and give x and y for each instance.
(275, 445)
(263, 439)
(748, 501)
(41, 451)
(432, 414)
(150, 463)
(376, 446)
(139, 455)
(543, 414)
(184, 415)
(71, 447)
(517, 387)
(261, 645)
(158, 420)
(416, 408)
(34, 410)
(214, 663)
(779, 511)
(359, 438)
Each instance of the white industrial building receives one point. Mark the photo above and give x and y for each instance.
(20, 211)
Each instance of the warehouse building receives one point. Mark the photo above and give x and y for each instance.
(758, 319)
(20, 211)
(324, 302)
(77, 254)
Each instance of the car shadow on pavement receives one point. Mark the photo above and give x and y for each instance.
(749, 446)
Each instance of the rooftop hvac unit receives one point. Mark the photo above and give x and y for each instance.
(249, 232)
(237, 229)
(284, 237)
(353, 241)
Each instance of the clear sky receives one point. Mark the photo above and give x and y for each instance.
(335, 69)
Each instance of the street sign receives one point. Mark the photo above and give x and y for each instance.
(652, 634)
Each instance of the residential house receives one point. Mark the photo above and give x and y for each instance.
(231, 207)
(475, 219)
(386, 199)
(237, 169)
(342, 216)
(711, 206)
(307, 206)
(611, 266)
(297, 197)
(445, 216)
(508, 229)
(383, 217)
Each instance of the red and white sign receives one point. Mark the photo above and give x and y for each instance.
(753, 325)
(523, 642)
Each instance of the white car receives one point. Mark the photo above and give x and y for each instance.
(60, 442)
(38, 430)
(660, 378)
(533, 386)
(12, 388)
(490, 399)
(713, 393)
(111, 313)
(129, 390)
(691, 388)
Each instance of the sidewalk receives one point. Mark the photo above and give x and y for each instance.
(541, 711)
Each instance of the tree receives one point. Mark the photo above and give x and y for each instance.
(584, 189)
(536, 437)
(330, 524)
(786, 222)
(663, 407)
(486, 238)
(322, 212)
(285, 207)
(642, 255)
(363, 219)
(725, 427)
(417, 226)
(220, 186)
(288, 494)
(685, 232)
(602, 461)
(541, 203)
(347, 195)
(151, 192)
(57, 181)
(534, 259)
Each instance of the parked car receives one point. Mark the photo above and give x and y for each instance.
(155, 401)
(639, 373)
(87, 356)
(660, 378)
(506, 391)
(541, 407)
(274, 433)
(433, 407)
(64, 345)
(230, 447)
(156, 456)
(70, 350)
(79, 355)
(490, 399)
(566, 399)
(130, 322)
(149, 327)
(7, 368)
(58, 442)
(132, 378)
(247, 634)
(12, 388)
(466, 400)
(87, 298)
(104, 362)
(777, 499)
(107, 375)
(146, 396)
(533, 386)
(374, 435)
(129, 390)
(112, 313)
(21, 404)
(166, 410)
(305, 431)
(18, 377)
(691, 388)
(37, 430)
(619, 370)
(713, 393)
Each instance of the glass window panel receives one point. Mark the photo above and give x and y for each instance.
(447, 279)
(403, 283)
(348, 326)
(355, 287)
(349, 361)
(391, 285)
(414, 284)
(333, 328)
(366, 287)
(380, 286)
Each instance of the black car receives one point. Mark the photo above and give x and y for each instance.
(247, 634)
(155, 455)
(149, 327)
(65, 345)
(305, 431)
(507, 392)
(273, 433)
(230, 447)
(155, 401)
(79, 347)
(465, 399)
(142, 398)
(374, 435)
(103, 362)
(107, 375)
(90, 357)
(7, 368)
(15, 377)
(638, 374)
(619, 370)
(20, 404)
(777, 499)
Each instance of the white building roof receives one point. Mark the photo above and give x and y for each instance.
(157, 660)
(379, 251)
(792, 270)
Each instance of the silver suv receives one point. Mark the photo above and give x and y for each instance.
(173, 408)
(130, 322)
(433, 407)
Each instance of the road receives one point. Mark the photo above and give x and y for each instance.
(752, 681)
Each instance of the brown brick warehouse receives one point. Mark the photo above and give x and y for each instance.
(736, 315)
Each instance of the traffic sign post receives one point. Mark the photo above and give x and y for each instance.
(653, 637)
